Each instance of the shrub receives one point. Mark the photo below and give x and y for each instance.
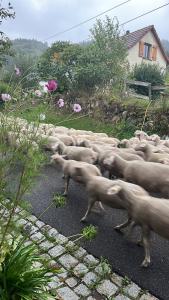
(148, 73)
(4, 88)
(19, 278)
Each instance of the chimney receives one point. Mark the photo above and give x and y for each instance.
(127, 32)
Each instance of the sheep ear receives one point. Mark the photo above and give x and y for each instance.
(114, 190)
(143, 145)
(65, 156)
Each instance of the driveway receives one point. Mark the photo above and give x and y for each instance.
(124, 256)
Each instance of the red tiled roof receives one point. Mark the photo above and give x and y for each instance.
(132, 38)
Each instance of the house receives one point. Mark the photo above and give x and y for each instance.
(144, 45)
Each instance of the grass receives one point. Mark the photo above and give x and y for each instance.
(76, 121)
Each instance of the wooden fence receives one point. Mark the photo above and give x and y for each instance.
(148, 85)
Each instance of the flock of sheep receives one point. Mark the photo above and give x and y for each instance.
(135, 167)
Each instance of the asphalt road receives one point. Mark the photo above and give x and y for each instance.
(124, 256)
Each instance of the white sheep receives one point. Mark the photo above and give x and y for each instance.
(69, 169)
(149, 212)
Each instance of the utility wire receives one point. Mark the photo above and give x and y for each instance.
(139, 16)
(85, 21)
(144, 14)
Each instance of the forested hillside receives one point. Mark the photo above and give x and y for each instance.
(29, 47)
(166, 46)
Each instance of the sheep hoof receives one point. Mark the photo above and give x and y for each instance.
(139, 243)
(63, 176)
(83, 220)
(117, 228)
(65, 194)
(145, 264)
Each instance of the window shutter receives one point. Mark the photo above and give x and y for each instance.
(154, 53)
(141, 49)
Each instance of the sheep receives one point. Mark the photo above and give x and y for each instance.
(50, 142)
(141, 135)
(69, 169)
(129, 143)
(149, 212)
(151, 156)
(66, 139)
(154, 177)
(105, 158)
(97, 187)
(79, 132)
(106, 163)
(78, 153)
(15, 139)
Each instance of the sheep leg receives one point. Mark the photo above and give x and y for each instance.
(146, 244)
(123, 225)
(131, 226)
(101, 206)
(67, 179)
(90, 205)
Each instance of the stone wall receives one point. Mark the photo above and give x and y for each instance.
(157, 120)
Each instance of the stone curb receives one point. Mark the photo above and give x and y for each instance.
(81, 275)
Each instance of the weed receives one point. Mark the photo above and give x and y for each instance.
(125, 281)
(59, 200)
(104, 268)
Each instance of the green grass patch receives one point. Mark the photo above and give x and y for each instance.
(76, 121)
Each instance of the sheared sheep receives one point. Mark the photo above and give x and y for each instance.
(149, 212)
(151, 156)
(78, 153)
(69, 169)
(151, 176)
(97, 187)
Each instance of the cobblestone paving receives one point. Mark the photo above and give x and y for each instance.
(81, 275)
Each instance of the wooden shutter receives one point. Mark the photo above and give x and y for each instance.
(154, 53)
(141, 49)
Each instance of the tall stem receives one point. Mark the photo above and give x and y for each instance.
(17, 198)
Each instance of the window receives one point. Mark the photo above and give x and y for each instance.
(147, 51)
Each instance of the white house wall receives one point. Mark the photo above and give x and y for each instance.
(133, 53)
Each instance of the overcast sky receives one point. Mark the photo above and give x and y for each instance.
(40, 19)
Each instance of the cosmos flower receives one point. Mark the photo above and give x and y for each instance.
(38, 93)
(43, 86)
(60, 103)
(52, 85)
(42, 117)
(77, 107)
(5, 97)
(17, 71)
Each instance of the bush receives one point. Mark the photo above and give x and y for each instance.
(148, 73)
(4, 88)
(19, 278)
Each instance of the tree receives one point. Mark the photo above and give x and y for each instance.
(110, 49)
(165, 44)
(102, 61)
(5, 43)
(58, 62)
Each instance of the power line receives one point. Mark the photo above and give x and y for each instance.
(139, 16)
(85, 21)
(144, 14)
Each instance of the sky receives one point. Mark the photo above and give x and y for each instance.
(40, 19)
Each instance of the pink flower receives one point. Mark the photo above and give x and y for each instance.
(5, 97)
(60, 103)
(17, 71)
(52, 85)
(38, 93)
(77, 107)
